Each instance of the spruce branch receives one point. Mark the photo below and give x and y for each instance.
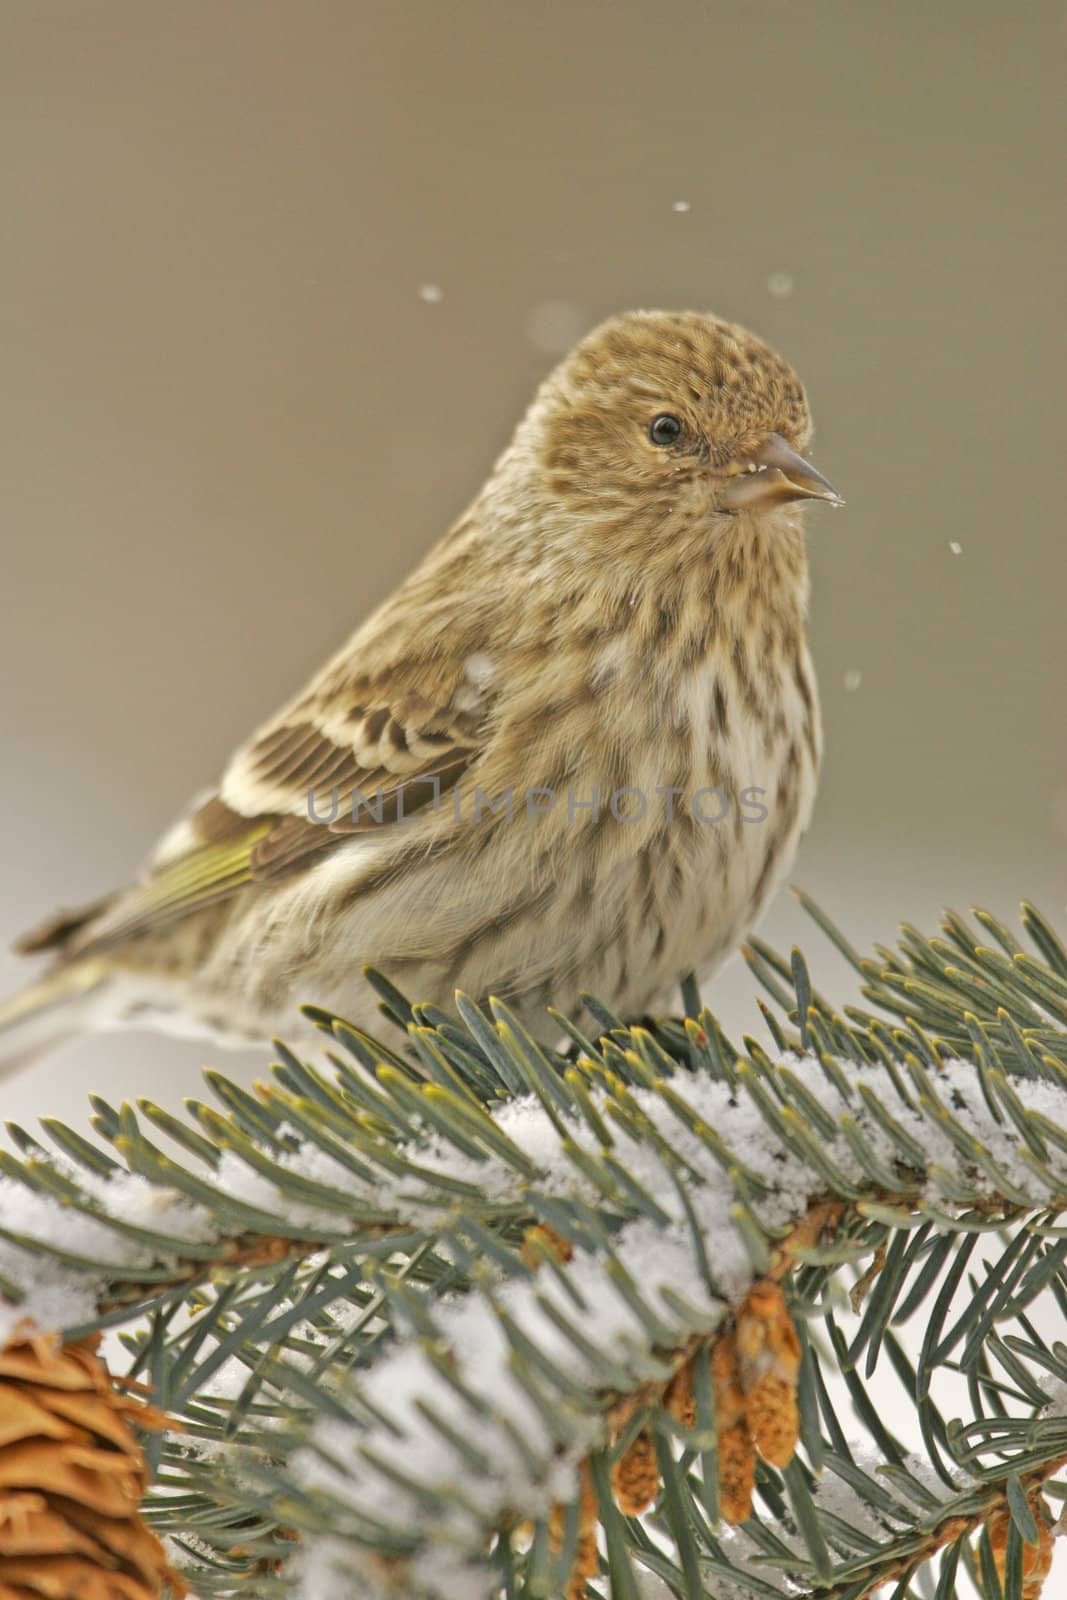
(472, 1317)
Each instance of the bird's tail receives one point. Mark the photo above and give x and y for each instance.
(41, 1016)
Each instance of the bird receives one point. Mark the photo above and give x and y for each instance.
(572, 753)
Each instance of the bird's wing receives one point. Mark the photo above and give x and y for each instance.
(350, 756)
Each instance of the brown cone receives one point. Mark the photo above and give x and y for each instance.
(72, 1475)
(1037, 1558)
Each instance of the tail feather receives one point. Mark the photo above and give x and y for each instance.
(45, 1013)
(57, 932)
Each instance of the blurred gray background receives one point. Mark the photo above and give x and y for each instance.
(277, 279)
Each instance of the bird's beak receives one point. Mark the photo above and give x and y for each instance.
(773, 474)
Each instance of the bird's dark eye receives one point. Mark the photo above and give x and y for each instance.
(664, 429)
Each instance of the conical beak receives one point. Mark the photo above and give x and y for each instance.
(774, 474)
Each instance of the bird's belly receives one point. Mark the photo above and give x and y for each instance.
(701, 879)
(695, 893)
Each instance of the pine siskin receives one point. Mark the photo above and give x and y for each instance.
(572, 752)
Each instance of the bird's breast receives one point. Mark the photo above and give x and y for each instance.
(721, 757)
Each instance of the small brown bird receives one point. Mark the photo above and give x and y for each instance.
(572, 752)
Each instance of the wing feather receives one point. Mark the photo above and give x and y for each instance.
(386, 757)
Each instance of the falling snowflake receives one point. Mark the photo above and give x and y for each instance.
(680, 205)
(432, 293)
(853, 679)
(552, 326)
(780, 285)
(955, 546)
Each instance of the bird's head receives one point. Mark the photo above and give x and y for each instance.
(675, 419)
